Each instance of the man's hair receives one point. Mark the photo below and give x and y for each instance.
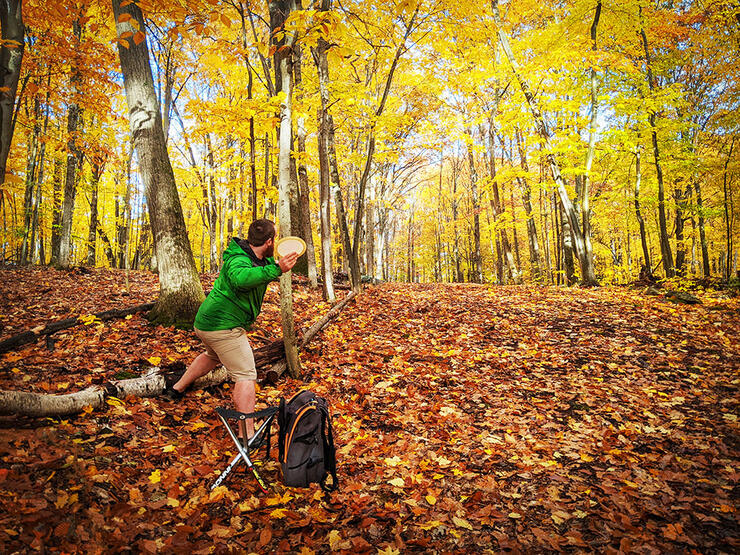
(260, 231)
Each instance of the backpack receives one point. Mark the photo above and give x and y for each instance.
(306, 442)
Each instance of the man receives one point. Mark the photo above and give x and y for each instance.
(230, 308)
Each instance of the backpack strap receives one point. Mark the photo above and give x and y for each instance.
(282, 430)
(330, 456)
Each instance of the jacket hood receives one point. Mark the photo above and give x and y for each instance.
(240, 247)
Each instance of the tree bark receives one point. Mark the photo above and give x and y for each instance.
(31, 165)
(534, 247)
(477, 262)
(665, 244)
(56, 218)
(638, 212)
(279, 12)
(588, 276)
(97, 171)
(322, 69)
(74, 156)
(728, 219)
(11, 58)
(305, 201)
(180, 289)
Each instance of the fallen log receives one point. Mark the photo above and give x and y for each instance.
(31, 336)
(150, 384)
(280, 366)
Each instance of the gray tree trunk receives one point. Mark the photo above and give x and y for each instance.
(11, 58)
(665, 244)
(31, 164)
(477, 258)
(638, 213)
(74, 158)
(97, 170)
(180, 289)
(588, 275)
(322, 68)
(279, 12)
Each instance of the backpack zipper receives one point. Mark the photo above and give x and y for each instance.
(289, 438)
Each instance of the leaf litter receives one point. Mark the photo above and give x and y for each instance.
(467, 418)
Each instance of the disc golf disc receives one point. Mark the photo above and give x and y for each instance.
(288, 245)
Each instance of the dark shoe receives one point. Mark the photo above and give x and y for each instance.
(172, 394)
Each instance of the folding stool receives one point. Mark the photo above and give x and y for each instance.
(244, 446)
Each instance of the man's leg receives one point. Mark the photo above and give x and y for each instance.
(199, 367)
(244, 399)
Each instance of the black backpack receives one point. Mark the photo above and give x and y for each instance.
(306, 442)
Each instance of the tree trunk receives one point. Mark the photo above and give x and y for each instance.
(588, 275)
(31, 165)
(455, 231)
(640, 220)
(279, 12)
(728, 219)
(74, 156)
(303, 188)
(97, 170)
(56, 219)
(665, 244)
(477, 262)
(35, 224)
(11, 58)
(702, 235)
(322, 69)
(592, 130)
(180, 289)
(498, 211)
(534, 247)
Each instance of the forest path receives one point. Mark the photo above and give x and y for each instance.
(467, 418)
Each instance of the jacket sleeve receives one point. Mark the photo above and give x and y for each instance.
(242, 275)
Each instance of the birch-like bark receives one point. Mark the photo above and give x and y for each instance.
(279, 12)
(588, 275)
(534, 247)
(97, 170)
(592, 130)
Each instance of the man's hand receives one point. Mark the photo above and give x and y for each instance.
(288, 261)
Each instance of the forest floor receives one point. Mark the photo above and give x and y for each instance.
(467, 418)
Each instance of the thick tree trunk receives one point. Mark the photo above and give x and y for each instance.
(11, 58)
(180, 289)
(279, 12)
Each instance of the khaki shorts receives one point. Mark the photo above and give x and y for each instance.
(232, 349)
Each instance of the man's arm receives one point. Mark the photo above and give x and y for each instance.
(244, 276)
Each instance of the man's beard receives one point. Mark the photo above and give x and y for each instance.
(269, 252)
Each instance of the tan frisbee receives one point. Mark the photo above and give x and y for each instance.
(288, 245)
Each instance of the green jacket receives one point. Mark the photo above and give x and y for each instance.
(236, 298)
